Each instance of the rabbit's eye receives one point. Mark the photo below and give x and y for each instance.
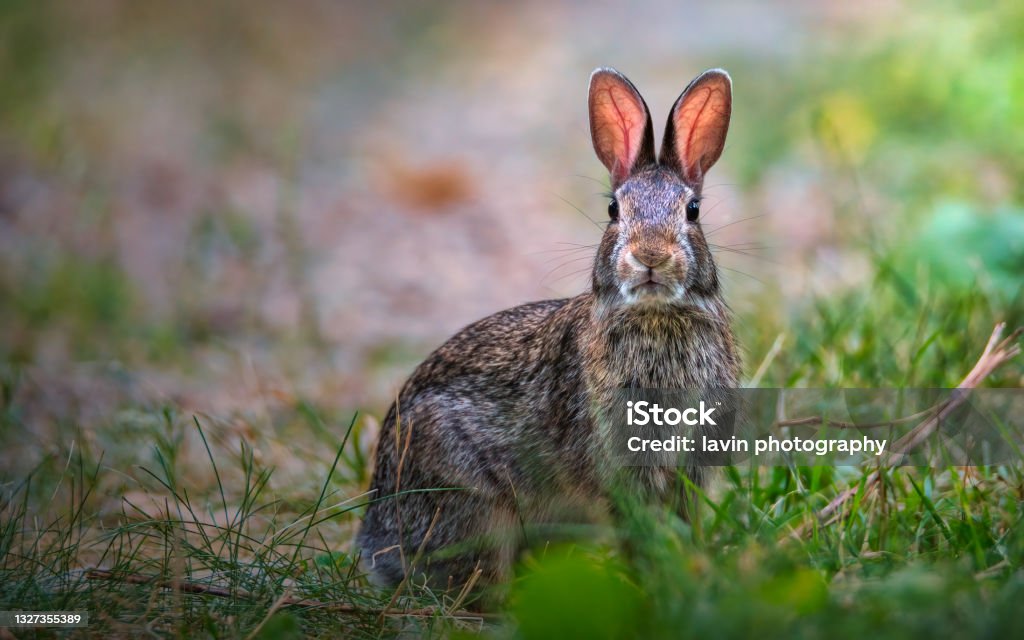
(613, 210)
(693, 211)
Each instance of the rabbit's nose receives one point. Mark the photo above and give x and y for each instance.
(651, 258)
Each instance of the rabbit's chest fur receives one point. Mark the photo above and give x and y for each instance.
(679, 348)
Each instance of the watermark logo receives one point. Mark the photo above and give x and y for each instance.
(643, 413)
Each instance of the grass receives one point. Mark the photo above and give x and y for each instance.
(236, 542)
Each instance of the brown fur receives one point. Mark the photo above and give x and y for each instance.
(507, 413)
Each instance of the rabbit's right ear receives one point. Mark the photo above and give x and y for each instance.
(697, 125)
(620, 124)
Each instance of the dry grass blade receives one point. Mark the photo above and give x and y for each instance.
(415, 560)
(467, 588)
(997, 352)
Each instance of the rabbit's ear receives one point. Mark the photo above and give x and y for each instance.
(695, 134)
(620, 124)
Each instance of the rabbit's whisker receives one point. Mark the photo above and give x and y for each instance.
(567, 259)
(744, 273)
(581, 212)
(591, 178)
(716, 248)
(711, 231)
(564, 250)
(571, 263)
(571, 274)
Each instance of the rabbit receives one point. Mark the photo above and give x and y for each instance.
(501, 426)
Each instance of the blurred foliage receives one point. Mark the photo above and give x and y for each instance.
(913, 131)
(961, 243)
(88, 303)
(26, 49)
(576, 595)
(923, 107)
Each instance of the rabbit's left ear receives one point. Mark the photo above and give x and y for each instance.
(620, 125)
(695, 134)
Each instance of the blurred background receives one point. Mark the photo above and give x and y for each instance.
(266, 214)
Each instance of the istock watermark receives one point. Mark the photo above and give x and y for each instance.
(643, 413)
(771, 427)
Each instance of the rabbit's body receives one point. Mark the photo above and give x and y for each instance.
(501, 427)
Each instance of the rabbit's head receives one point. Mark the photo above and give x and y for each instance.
(653, 252)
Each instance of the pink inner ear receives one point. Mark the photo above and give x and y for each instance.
(628, 142)
(701, 123)
(619, 121)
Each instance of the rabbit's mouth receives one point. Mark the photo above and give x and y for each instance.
(654, 281)
(650, 287)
